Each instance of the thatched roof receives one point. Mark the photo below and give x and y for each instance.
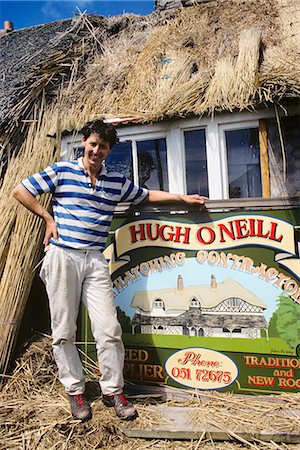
(25, 56)
(213, 56)
(208, 297)
(20, 51)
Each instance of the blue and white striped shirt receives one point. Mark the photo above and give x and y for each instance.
(83, 214)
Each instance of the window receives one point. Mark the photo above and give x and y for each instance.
(196, 162)
(151, 168)
(219, 157)
(235, 330)
(284, 165)
(194, 303)
(152, 164)
(120, 159)
(234, 303)
(158, 303)
(243, 163)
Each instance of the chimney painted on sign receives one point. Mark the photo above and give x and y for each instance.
(213, 282)
(180, 283)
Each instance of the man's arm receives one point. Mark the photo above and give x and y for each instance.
(30, 202)
(165, 197)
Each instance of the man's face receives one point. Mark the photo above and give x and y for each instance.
(96, 151)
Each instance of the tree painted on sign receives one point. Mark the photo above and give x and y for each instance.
(124, 320)
(273, 332)
(288, 320)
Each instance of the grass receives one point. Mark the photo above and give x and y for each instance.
(273, 345)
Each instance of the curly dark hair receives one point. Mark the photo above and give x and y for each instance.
(106, 131)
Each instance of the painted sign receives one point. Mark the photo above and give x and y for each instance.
(210, 301)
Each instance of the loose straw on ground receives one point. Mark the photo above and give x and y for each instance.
(34, 414)
(186, 61)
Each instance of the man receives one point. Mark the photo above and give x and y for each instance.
(74, 269)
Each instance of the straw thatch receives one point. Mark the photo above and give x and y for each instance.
(34, 414)
(219, 55)
(167, 64)
(200, 59)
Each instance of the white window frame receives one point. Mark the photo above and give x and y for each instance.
(173, 132)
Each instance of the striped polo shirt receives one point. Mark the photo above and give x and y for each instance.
(83, 214)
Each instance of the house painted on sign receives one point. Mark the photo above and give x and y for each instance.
(225, 309)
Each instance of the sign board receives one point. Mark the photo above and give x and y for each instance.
(209, 300)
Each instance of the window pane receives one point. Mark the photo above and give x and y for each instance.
(196, 162)
(78, 152)
(152, 164)
(120, 159)
(285, 181)
(243, 162)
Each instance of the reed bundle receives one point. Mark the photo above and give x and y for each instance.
(280, 76)
(34, 413)
(21, 233)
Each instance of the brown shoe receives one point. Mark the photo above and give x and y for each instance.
(80, 407)
(124, 409)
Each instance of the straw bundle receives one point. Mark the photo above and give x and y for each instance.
(217, 95)
(22, 234)
(34, 414)
(246, 68)
(280, 74)
(234, 83)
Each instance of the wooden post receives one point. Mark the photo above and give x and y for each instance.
(264, 159)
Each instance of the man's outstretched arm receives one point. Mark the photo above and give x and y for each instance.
(165, 197)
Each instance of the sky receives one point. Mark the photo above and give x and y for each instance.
(27, 13)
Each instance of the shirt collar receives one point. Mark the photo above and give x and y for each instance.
(81, 166)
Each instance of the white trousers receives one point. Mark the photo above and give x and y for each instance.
(71, 276)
